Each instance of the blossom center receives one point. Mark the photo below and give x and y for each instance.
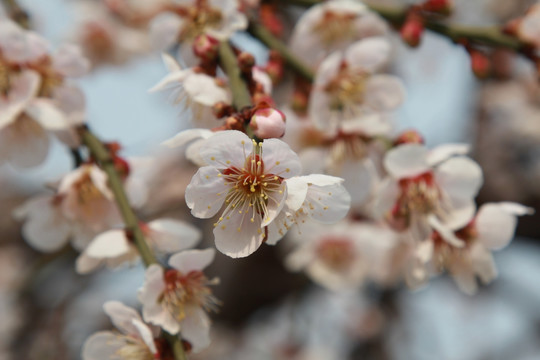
(336, 253)
(199, 18)
(347, 89)
(191, 289)
(419, 195)
(86, 190)
(251, 188)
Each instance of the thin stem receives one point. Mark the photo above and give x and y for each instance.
(16, 13)
(261, 33)
(103, 157)
(229, 63)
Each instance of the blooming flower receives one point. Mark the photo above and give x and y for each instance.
(342, 256)
(196, 92)
(248, 178)
(332, 26)
(114, 247)
(428, 190)
(319, 198)
(529, 27)
(83, 207)
(189, 18)
(177, 299)
(135, 341)
(492, 229)
(347, 92)
(24, 119)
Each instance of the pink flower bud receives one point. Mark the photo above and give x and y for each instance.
(205, 47)
(268, 123)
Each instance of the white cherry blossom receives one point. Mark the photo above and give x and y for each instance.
(115, 248)
(25, 120)
(347, 91)
(332, 26)
(529, 27)
(82, 208)
(492, 229)
(428, 190)
(342, 256)
(219, 19)
(133, 341)
(177, 299)
(247, 179)
(194, 91)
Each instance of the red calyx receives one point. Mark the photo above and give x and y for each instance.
(413, 28)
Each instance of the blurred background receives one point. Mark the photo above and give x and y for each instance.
(48, 310)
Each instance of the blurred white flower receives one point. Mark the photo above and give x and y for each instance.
(115, 247)
(348, 93)
(429, 190)
(219, 19)
(194, 91)
(492, 229)
(24, 121)
(332, 26)
(528, 29)
(177, 299)
(247, 177)
(135, 341)
(342, 256)
(83, 207)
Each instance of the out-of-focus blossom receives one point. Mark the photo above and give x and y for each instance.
(429, 190)
(115, 248)
(189, 18)
(24, 119)
(20, 46)
(195, 91)
(177, 299)
(319, 198)
(248, 178)
(342, 256)
(492, 229)
(348, 93)
(103, 38)
(83, 207)
(332, 26)
(134, 341)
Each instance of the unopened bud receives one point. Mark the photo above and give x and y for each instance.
(246, 61)
(409, 137)
(443, 7)
(480, 64)
(268, 123)
(205, 47)
(412, 30)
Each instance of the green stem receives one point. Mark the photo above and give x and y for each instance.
(261, 33)
(103, 157)
(229, 63)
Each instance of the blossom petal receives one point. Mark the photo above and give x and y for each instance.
(279, 159)
(297, 188)
(459, 177)
(406, 161)
(495, 226)
(103, 345)
(145, 333)
(187, 136)
(47, 114)
(122, 317)
(172, 235)
(368, 54)
(192, 260)
(446, 233)
(109, 244)
(165, 29)
(69, 61)
(226, 149)
(446, 151)
(206, 192)
(24, 143)
(237, 236)
(196, 328)
(171, 81)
